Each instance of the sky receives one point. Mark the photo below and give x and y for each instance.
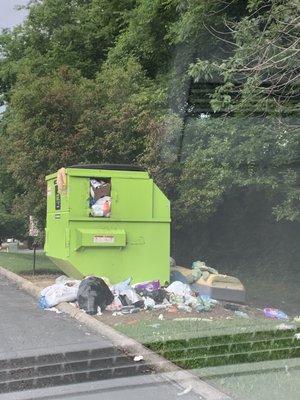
(9, 16)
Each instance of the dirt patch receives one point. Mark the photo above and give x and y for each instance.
(42, 280)
(218, 312)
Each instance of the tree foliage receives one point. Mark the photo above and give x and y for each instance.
(109, 81)
(261, 75)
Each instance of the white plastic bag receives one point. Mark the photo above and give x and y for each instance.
(98, 207)
(120, 287)
(148, 303)
(131, 296)
(60, 292)
(179, 288)
(63, 279)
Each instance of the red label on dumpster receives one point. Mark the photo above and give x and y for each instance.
(104, 239)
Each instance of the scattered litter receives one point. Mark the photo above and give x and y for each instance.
(241, 314)
(188, 319)
(184, 307)
(116, 305)
(54, 309)
(185, 391)
(274, 313)
(158, 295)
(63, 279)
(205, 303)
(150, 286)
(87, 333)
(160, 317)
(297, 336)
(297, 319)
(135, 310)
(155, 326)
(176, 299)
(138, 358)
(149, 303)
(200, 271)
(127, 309)
(177, 276)
(201, 265)
(129, 297)
(116, 313)
(99, 312)
(121, 287)
(179, 288)
(231, 307)
(284, 327)
(160, 307)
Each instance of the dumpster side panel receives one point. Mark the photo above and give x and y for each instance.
(57, 234)
(161, 205)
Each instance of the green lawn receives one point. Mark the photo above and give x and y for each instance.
(21, 263)
(155, 330)
(278, 380)
(201, 344)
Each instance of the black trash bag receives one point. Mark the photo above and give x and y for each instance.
(93, 292)
(124, 300)
(157, 295)
(232, 307)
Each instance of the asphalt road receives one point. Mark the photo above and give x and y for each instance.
(27, 331)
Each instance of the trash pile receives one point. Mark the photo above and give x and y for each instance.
(94, 295)
(100, 198)
(199, 271)
(207, 280)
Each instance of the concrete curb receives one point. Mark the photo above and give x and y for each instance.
(172, 372)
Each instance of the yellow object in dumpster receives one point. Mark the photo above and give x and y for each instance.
(217, 286)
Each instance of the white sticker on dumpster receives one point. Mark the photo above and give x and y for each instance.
(104, 239)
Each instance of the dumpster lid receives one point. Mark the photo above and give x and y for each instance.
(112, 167)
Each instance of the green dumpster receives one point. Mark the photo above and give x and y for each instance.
(128, 237)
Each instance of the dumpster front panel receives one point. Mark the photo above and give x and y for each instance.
(132, 199)
(143, 255)
(100, 238)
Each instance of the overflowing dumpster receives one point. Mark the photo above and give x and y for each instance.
(108, 220)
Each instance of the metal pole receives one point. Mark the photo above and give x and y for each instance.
(34, 258)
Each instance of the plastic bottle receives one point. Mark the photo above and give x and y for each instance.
(274, 313)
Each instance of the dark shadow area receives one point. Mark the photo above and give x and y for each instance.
(244, 239)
